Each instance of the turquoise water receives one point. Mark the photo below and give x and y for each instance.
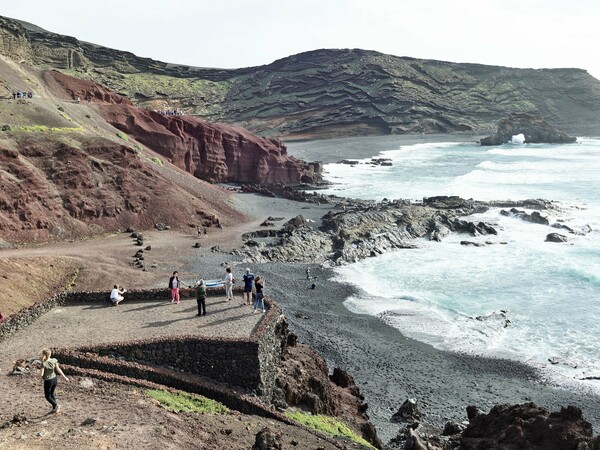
(550, 292)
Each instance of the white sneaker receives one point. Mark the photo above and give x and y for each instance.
(263, 311)
(254, 312)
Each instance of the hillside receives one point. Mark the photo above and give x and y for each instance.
(325, 93)
(66, 173)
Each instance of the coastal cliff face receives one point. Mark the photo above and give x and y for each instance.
(325, 93)
(210, 151)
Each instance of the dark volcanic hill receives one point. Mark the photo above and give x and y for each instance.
(326, 93)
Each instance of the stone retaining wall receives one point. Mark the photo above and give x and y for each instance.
(248, 363)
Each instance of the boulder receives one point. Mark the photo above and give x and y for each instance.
(408, 412)
(528, 426)
(535, 129)
(267, 439)
(534, 217)
(556, 237)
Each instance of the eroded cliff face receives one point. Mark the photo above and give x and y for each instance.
(210, 151)
(58, 188)
(326, 93)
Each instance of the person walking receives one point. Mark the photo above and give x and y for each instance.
(48, 373)
(116, 295)
(229, 281)
(174, 287)
(248, 285)
(259, 284)
(201, 298)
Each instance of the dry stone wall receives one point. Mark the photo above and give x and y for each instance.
(248, 363)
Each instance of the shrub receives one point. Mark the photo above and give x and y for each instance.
(328, 425)
(156, 161)
(122, 136)
(182, 401)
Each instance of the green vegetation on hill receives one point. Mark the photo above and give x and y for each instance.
(328, 425)
(40, 128)
(182, 401)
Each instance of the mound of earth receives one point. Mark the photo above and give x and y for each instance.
(53, 187)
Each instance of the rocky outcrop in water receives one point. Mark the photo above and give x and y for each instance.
(325, 93)
(367, 229)
(534, 217)
(535, 129)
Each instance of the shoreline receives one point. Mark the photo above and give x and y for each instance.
(387, 366)
(337, 149)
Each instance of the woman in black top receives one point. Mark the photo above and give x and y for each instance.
(259, 284)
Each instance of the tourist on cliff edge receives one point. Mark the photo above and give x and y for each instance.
(174, 286)
(248, 282)
(259, 284)
(229, 281)
(201, 298)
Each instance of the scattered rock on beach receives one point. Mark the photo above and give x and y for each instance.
(408, 412)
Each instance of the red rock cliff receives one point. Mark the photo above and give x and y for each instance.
(210, 151)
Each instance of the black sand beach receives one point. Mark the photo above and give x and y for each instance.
(387, 366)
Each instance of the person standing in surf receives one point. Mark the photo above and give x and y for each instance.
(48, 373)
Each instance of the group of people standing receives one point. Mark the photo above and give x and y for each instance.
(22, 94)
(252, 285)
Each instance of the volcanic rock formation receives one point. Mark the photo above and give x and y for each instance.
(535, 129)
(210, 151)
(325, 93)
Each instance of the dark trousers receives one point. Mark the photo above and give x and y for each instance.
(201, 306)
(49, 387)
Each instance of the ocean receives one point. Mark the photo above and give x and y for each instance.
(518, 297)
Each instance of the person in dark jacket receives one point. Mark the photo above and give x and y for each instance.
(201, 298)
